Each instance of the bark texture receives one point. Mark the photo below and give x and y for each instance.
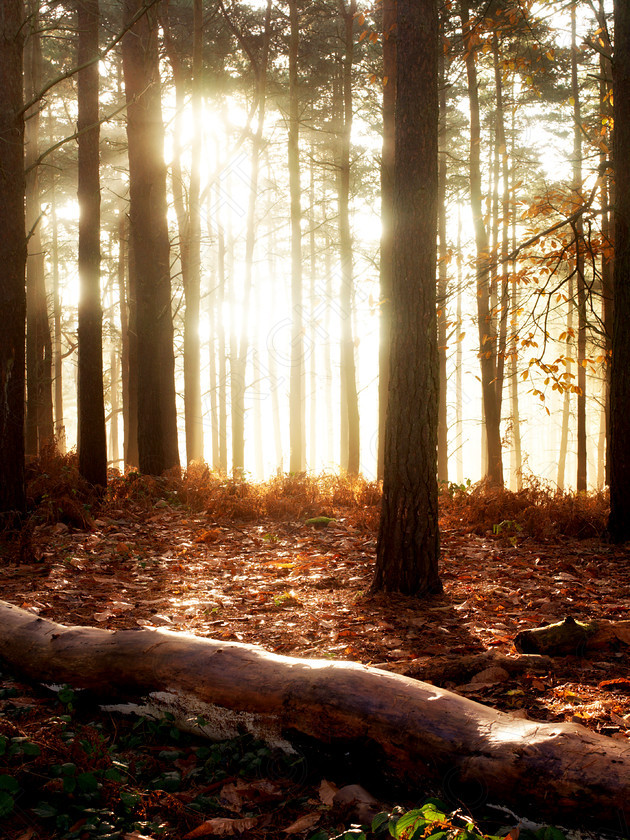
(157, 420)
(92, 441)
(486, 326)
(413, 730)
(408, 543)
(619, 449)
(387, 222)
(12, 259)
(39, 413)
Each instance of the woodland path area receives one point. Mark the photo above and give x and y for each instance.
(299, 589)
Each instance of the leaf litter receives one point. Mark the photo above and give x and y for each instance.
(298, 585)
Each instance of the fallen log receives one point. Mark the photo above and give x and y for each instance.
(417, 732)
(573, 638)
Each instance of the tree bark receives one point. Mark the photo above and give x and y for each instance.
(39, 413)
(408, 541)
(487, 347)
(619, 449)
(387, 222)
(412, 730)
(128, 343)
(442, 296)
(578, 230)
(296, 376)
(189, 223)
(91, 434)
(350, 397)
(12, 260)
(157, 419)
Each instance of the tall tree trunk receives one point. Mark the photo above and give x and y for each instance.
(296, 383)
(606, 200)
(214, 316)
(313, 360)
(223, 456)
(239, 362)
(619, 449)
(408, 541)
(487, 348)
(442, 316)
(12, 259)
(157, 418)
(328, 369)
(517, 465)
(189, 223)
(39, 415)
(350, 398)
(272, 362)
(566, 404)
(114, 443)
(60, 429)
(91, 433)
(387, 223)
(459, 384)
(503, 224)
(579, 262)
(193, 411)
(129, 341)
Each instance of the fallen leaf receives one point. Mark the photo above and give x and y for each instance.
(490, 676)
(327, 792)
(221, 826)
(303, 823)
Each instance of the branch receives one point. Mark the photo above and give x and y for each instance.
(99, 57)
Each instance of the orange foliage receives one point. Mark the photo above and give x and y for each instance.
(56, 492)
(536, 510)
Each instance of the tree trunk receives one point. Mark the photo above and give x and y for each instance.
(313, 326)
(157, 419)
(606, 199)
(114, 442)
(387, 221)
(503, 224)
(296, 377)
(91, 433)
(12, 260)
(223, 456)
(619, 449)
(459, 354)
(60, 429)
(566, 400)
(350, 397)
(409, 729)
(129, 342)
(408, 541)
(579, 263)
(39, 415)
(239, 361)
(189, 224)
(487, 348)
(193, 411)
(442, 314)
(517, 465)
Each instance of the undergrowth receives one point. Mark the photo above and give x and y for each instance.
(57, 493)
(538, 510)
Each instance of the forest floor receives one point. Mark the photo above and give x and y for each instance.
(162, 555)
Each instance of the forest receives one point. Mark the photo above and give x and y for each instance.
(314, 419)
